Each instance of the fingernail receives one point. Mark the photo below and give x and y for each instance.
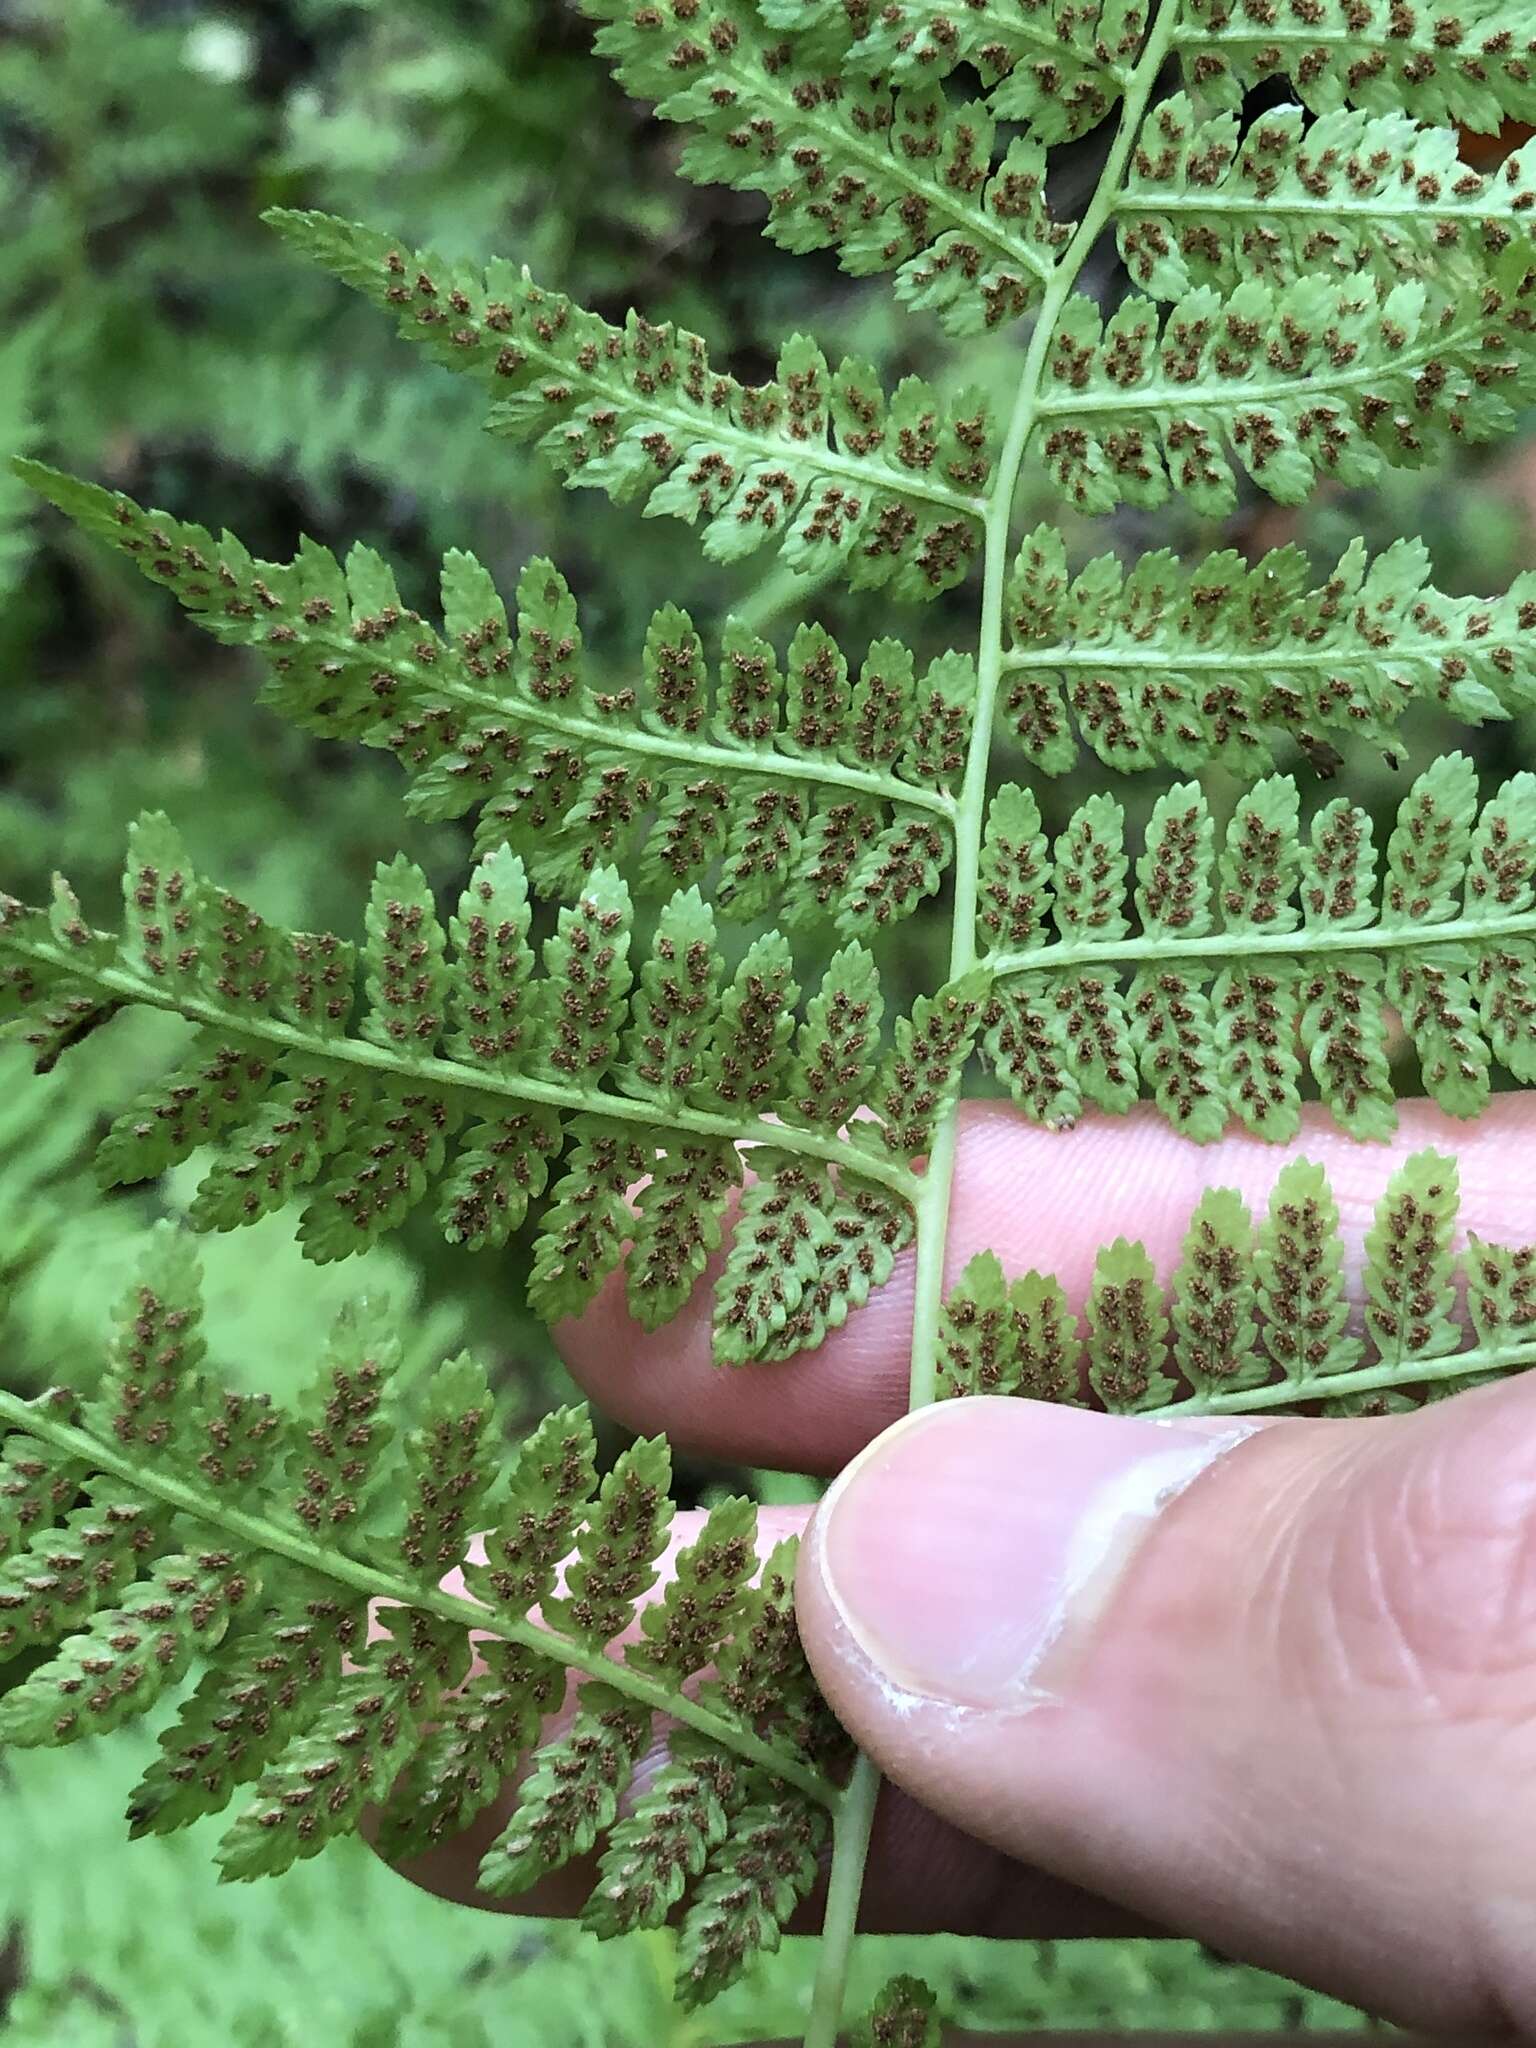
(970, 1549)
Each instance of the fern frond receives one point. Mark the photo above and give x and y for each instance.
(1474, 65)
(905, 2015)
(807, 788)
(1207, 204)
(1257, 1318)
(1319, 378)
(1058, 65)
(189, 1552)
(466, 1075)
(1209, 661)
(894, 181)
(1246, 958)
(887, 491)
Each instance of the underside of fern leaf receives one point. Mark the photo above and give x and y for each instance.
(215, 1530)
(466, 1076)
(886, 489)
(1321, 290)
(1276, 951)
(1260, 1318)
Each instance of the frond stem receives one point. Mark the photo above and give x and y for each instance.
(1028, 408)
(855, 1817)
(1266, 660)
(479, 1083)
(1369, 1379)
(330, 1561)
(852, 1820)
(1296, 945)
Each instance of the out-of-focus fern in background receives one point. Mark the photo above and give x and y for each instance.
(154, 335)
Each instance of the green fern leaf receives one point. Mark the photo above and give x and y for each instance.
(750, 1052)
(637, 411)
(469, 1756)
(867, 1227)
(783, 797)
(573, 1794)
(338, 1461)
(1261, 1319)
(1059, 67)
(37, 1484)
(978, 1345)
(488, 1001)
(215, 1092)
(348, 1755)
(1473, 67)
(501, 1167)
(1300, 1274)
(234, 1560)
(657, 1850)
(1002, 1339)
(781, 1233)
(449, 1468)
(905, 2015)
(551, 1484)
(919, 1079)
(1207, 205)
(687, 1627)
(837, 1043)
(752, 1883)
(898, 182)
(129, 1655)
(1127, 1330)
(1501, 1296)
(1282, 946)
(761, 1679)
(676, 1003)
(1410, 1276)
(1190, 665)
(1368, 376)
(588, 1220)
(58, 1580)
(678, 1224)
(242, 1715)
(617, 1549)
(1214, 1294)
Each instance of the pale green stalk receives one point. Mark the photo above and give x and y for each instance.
(1302, 944)
(855, 1816)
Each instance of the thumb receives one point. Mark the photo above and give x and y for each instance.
(1274, 1687)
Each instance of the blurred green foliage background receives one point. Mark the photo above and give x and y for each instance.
(154, 336)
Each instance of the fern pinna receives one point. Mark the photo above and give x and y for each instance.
(1318, 293)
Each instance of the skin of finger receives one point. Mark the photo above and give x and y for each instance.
(926, 1875)
(1304, 1726)
(1039, 1199)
